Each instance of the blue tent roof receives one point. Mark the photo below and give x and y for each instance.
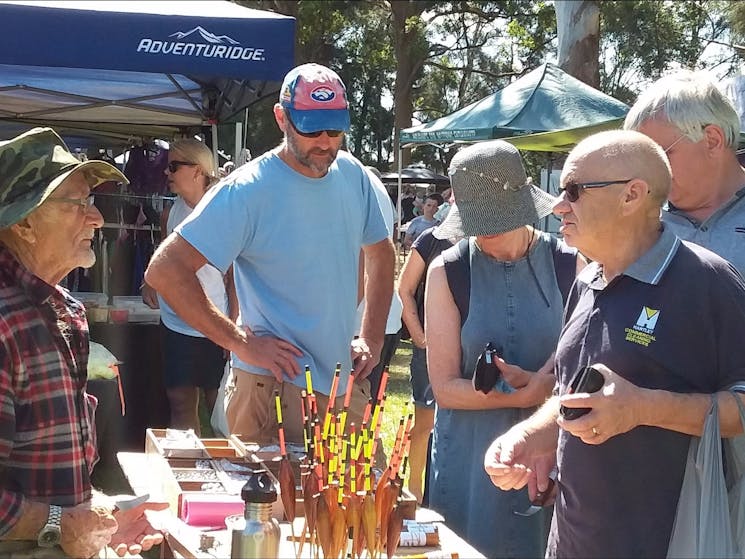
(545, 100)
(132, 66)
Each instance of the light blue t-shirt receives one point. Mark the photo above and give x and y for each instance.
(295, 243)
(722, 233)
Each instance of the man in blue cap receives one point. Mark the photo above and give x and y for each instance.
(294, 222)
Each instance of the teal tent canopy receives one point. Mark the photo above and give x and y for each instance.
(545, 110)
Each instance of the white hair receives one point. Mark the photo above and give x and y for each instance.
(689, 101)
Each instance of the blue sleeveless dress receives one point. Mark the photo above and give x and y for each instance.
(518, 307)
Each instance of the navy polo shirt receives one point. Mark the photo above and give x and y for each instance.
(674, 320)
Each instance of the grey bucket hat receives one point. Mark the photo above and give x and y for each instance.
(35, 164)
(492, 192)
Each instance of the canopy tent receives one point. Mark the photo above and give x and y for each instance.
(416, 175)
(123, 68)
(544, 110)
(546, 99)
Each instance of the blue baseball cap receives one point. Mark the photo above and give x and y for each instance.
(315, 98)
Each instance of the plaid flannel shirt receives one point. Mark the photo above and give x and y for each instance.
(47, 440)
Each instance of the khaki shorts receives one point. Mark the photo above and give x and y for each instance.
(251, 410)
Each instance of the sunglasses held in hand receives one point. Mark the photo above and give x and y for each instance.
(487, 373)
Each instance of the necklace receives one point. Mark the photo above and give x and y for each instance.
(531, 234)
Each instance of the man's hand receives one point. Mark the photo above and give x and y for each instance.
(365, 355)
(136, 533)
(512, 462)
(149, 296)
(273, 354)
(615, 409)
(86, 529)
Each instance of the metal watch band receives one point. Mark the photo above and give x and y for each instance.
(55, 515)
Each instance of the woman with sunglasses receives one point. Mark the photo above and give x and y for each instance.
(499, 288)
(190, 360)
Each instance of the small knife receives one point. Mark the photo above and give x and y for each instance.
(540, 499)
(127, 504)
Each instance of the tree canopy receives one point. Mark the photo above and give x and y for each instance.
(405, 61)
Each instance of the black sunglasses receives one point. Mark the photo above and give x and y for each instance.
(173, 166)
(572, 189)
(316, 134)
(486, 373)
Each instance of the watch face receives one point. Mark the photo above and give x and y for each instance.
(49, 536)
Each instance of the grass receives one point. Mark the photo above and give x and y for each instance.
(398, 395)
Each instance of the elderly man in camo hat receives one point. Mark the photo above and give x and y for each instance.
(47, 439)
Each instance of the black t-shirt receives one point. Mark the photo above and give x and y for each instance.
(674, 321)
(407, 209)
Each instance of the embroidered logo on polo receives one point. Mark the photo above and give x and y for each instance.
(642, 332)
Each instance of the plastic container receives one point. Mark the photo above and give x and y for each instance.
(98, 314)
(119, 316)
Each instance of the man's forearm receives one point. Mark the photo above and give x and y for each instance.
(542, 427)
(379, 259)
(685, 413)
(31, 520)
(180, 287)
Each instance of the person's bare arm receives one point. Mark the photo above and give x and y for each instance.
(621, 405)
(526, 453)
(172, 272)
(379, 260)
(85, 529)
(150, 295)
(408, 281)
(442, 331)
(233, 308)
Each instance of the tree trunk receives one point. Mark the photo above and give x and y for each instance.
(578, 29)
(405, 37)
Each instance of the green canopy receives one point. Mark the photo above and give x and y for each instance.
(545, 110)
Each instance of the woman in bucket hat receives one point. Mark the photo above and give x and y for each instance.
(498, 286)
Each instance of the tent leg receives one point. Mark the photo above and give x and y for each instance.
(214, 146)
(398, 199)
(549, 170)
(238, 140)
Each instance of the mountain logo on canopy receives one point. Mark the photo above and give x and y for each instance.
(200, 43)
(206, 35)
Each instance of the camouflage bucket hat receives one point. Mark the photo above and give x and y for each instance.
(33, 165)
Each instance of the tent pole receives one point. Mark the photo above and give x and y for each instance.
(549, 170)
(398, 200)
(238, 140)
(214, 146)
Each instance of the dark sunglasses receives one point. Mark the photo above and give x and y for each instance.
(571, 190)
(173, 166)
(486, 373)
(316, 134)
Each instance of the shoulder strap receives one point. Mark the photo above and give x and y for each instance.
(458, 272)
(565, 266)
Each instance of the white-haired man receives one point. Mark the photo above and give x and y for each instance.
(699, 130)
(47, 435)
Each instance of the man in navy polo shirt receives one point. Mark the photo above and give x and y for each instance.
(663, 320)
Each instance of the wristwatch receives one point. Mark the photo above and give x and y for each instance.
(51, 533)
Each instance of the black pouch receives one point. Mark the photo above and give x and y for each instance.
(487, 373)
(587, 380)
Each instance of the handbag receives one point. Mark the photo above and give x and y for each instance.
(710, 518)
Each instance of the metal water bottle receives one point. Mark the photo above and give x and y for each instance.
(260, 537)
